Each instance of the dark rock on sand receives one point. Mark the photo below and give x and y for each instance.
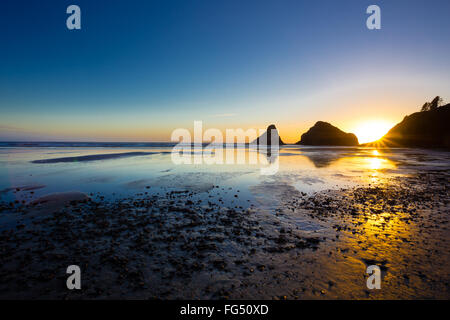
(324, 134)
(266, 139)
(427, 129)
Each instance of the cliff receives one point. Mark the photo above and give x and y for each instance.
(426, 129)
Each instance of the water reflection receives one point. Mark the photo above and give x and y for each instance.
(375, 163)
(364, 159)
(308, 169)
(322, 160)
(271, 154)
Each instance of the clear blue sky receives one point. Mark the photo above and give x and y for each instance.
(139, 69)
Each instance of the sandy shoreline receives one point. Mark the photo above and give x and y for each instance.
(173, 246)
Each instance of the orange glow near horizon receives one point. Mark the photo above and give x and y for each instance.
(373, 130)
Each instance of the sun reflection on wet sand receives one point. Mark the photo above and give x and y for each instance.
(384, 225)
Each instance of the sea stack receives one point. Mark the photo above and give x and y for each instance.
(266, 137)
(324, 134)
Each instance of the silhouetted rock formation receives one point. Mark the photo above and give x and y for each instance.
(266, 139)
(426, 129)
(324, 134)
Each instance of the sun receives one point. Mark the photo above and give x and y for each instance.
(370, 131)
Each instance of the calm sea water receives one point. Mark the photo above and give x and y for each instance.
(307, 169)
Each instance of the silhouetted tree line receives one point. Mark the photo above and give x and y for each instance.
(433, 105)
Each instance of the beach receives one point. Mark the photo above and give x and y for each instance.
(141, 227)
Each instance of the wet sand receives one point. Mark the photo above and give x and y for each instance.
(176, 245)
(94, 157)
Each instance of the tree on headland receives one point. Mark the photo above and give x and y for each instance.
(425, 107)
(433, 105)
(437, 102)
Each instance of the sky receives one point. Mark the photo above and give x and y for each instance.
(137, 70)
